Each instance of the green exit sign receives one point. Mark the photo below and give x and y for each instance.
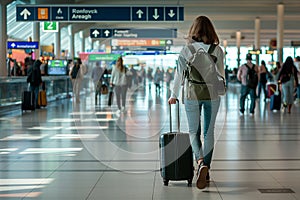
(50, 27)
(107, 57)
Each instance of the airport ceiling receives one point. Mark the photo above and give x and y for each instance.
(228, 16)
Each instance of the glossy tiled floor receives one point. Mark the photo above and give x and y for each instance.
(82, 151)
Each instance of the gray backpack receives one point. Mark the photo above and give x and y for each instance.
(203, 80)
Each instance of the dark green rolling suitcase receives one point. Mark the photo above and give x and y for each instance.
(176, 156)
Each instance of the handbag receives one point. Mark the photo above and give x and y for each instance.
(220, 86)
(104, 89)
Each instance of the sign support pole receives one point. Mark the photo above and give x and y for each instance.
(3, 38)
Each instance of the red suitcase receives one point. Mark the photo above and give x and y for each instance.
(271, 89)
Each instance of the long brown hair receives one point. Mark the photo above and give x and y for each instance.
(120, 65)
(202, 30)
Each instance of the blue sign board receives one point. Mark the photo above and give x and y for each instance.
(22, 45)
(59, 13)
(88, 13)
(133, 33)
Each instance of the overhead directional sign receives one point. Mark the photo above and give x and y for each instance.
(84, 13)
(98, 57)
(133, 33)
(138, 42)
(22, 45)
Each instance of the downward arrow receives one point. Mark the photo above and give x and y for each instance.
(25, 12)
(171, 13)
(155, 16)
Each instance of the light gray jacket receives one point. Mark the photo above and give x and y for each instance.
(185, 55)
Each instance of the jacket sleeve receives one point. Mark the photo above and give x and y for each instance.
(113, 75)
(181, 65)
(279, 74)
(40, 75)
(296, 75)
(220, 62)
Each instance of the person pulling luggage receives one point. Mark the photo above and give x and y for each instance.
(201, 36)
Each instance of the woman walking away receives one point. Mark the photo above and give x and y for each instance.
(263, 79)
(288, 78)
(119, 82)
(201, 35)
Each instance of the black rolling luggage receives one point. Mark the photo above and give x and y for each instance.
(176, 157)
(110, 97)
(275, 100)
(27, 101)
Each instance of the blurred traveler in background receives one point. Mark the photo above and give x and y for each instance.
(263, 78)
(34, 78)
(297, 64)
(288, 78)
(245, 87)
(77, 72)
(119, 82)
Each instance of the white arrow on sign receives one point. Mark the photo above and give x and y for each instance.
(139, 12)
(171, 13)
(95, 33)
(155, 16)
(106, 32)
(26, 13)
(13, 45)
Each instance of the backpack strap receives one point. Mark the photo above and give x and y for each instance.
(211, 48)
(253, 66)
(191, 48)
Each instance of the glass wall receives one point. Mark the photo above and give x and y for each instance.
(231, 56)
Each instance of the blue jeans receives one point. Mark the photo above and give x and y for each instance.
(35, 90)
(288, 92)
(262, 86)
(244, 92)
(193, 111)
(121, 91)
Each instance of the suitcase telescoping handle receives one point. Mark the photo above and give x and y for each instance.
(178, 120)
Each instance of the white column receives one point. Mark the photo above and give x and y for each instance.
(36, 37)
(57, 49)
(238, 46)
(257, 37)
(82, 38)
(280, 29)
(3, 40)
(71, 37)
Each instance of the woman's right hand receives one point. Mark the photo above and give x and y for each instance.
(172, 100)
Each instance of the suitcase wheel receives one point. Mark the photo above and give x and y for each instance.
(189, 182)
(166, 182)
